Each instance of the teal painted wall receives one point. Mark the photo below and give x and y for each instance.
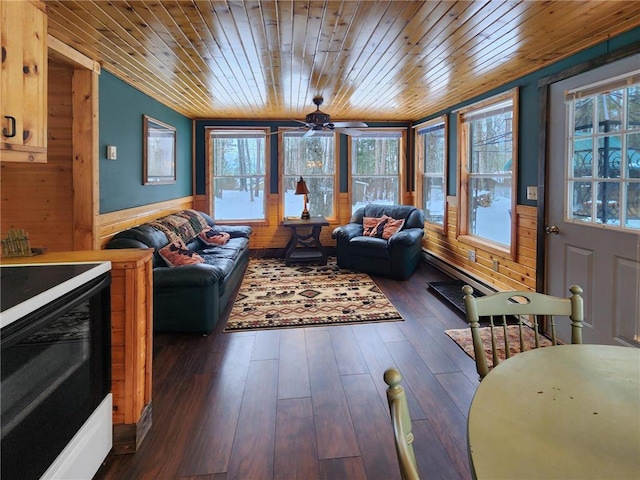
(121, 111)
(529, 126)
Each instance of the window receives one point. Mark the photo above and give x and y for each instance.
(604, 125)
(239, 175)
(487, 133)
(375, 168)
(312, 158)
(431, 154)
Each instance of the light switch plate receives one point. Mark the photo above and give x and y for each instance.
(532, 193)
(112, 152)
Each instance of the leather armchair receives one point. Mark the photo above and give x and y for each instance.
(397, 257)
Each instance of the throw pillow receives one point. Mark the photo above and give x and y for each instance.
(212, 237)
(176, 254)
(370, 226)
(382, 227)
(391, 226)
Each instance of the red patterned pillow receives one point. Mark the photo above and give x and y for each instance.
(391, 226)
(176, 254)
(370, 226)
(382, 227)
(211, 237)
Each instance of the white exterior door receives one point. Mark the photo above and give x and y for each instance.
(588, 249)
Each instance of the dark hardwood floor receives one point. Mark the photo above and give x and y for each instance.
(308, 403)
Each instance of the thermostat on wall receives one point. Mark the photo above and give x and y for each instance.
(111, 152)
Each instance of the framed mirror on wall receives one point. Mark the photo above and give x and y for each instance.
(159, 152)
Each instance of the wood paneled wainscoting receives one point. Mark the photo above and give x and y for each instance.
(271, 236)
(510, 275)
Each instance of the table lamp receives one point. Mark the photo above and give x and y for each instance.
(301, 189)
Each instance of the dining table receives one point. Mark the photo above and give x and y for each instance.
(561, 412)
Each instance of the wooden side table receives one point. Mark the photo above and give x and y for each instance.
(305, 247)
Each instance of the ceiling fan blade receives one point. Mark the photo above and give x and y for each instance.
(304, 123)
(289, 130)
(350, 125)
(348, 131)
(309, 133)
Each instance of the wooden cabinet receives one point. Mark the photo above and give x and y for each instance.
(131, 336)
(23, 81)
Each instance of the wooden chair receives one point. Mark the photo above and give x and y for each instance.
(401, 425)
(502, 305)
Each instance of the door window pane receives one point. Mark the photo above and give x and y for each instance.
(583, 119)
(607, 195)
(609, 156)
(583, 157)
(610, 106)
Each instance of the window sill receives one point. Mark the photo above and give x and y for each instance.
(485, 245)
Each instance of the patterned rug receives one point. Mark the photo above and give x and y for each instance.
(273, 295)
(462, 337)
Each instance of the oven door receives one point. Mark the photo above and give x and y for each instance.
(55, 370)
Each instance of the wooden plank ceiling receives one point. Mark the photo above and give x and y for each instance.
(370, 60)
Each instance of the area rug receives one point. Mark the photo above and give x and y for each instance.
(462, 337)
(273, 295)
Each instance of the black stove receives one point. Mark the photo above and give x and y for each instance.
(21, 283)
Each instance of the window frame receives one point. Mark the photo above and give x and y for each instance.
(402, 156)
(210, 178)
(282, 177)
(420, 155)
(624, 180)
(463, 235)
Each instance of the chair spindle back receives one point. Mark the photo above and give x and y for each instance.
(502, 306)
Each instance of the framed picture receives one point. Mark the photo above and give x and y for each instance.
(159, 152)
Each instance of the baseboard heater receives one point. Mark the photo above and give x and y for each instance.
(458, 273)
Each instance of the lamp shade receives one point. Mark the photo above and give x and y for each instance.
(301, 187)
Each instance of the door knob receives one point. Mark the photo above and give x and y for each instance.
(552, 229)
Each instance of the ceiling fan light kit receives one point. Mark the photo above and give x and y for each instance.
(320, 121)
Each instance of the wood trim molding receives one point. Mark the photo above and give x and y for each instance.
(85, 158)
(61, 51)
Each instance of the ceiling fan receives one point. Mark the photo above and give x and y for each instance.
(319, 121)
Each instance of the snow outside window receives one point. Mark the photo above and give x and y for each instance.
(314, 159)
(375, 168)
(488, 161)
(239, 173)
(432, 158)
